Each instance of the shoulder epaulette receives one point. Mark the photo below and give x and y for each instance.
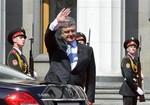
(127, 56)
(13, 51)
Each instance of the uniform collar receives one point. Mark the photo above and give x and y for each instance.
(131, 56)
(18, 50)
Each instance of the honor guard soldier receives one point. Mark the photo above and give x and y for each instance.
(15, 57)
(129, 88)
(81, 38)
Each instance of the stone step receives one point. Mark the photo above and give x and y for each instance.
(108, 85)
(104, 90)
(107, 92)
(114, 94)
(112, 102)
(110, 96)
(114, 97)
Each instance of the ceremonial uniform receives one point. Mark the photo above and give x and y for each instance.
(17, 61)
(15, 57)
(129, 88)
(129, 72)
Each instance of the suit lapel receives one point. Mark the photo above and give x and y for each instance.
(63, 47)
(80, 54)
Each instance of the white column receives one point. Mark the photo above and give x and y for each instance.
(144, 31)
(103, 17)
(27, 24)
(116, 37)
(2, 31)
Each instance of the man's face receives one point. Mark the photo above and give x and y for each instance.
(19, 40)
(132, 49)
(69, 33)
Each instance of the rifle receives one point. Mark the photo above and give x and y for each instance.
(31, 62)
(88, 43)
(142, 97)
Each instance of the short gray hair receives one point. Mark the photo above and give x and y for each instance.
(70, 21)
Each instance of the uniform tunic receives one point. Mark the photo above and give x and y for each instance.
(17, 61)
(130, 74)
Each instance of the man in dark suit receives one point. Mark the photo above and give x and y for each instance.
(61, 34)
(129, 88)
(15, 58)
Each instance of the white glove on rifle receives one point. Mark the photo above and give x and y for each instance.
(140, 91)
(34, 74)
(142, 76)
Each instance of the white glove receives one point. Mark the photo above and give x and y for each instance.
(29, 74)
(142, 75)
(35, 74)
(140, 91)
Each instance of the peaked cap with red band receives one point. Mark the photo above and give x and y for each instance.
(80, 36)
(16, 32)
(131, 42)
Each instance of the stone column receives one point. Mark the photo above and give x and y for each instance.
(27, 18)
(144, 31)
(103, 17)
(2, 31)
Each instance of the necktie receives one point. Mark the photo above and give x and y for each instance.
(72, 54)
(69, 52)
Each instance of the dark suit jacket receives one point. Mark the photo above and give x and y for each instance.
(129, 85)
(60, 68)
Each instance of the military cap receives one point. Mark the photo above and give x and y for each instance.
(16, 32)
(132, 41)
(80, 36)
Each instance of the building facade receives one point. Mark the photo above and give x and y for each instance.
(110, 22)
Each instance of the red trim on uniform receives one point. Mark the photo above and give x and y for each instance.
(131, 43)
(128, 56)
(16, 34)
(13, 51)
(79, 38)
